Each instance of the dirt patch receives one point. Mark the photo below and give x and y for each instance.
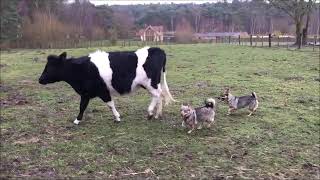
(201, 84)
(4, 88)
(13, 99)
(314, 69)
(43, 171)
(304, 100)
(27, 141)
(129, 173)
(294, 78)
(311, 168)
(164, 151)
(182, 66)
(261, 73)
(2, 65)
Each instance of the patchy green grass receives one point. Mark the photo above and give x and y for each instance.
(280, 141)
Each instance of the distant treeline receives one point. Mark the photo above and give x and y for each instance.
(40, 21)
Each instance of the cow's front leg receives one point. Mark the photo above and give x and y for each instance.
(155, 93)
(114, 111)
(83, 105)
(107, 98)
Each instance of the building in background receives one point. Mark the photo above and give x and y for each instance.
(151, 33)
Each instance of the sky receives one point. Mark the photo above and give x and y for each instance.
(122, 2)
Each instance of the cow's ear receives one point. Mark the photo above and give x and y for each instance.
(63, 55)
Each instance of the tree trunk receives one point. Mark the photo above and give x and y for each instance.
(305, 29)
(298, 22)
(172, 23)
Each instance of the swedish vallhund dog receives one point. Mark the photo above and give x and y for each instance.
(196, 117)
(234, 102)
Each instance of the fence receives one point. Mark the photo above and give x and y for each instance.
(252, 40)
(268, 41)
(79, 44)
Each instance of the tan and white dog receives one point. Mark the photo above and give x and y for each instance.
(197, 117)
(234, 102)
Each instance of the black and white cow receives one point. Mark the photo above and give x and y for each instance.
(104, 74)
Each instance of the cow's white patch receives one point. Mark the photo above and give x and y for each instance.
(141, 75)
(101, 60)
(76, 121)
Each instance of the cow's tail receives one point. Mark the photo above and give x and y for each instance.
(165, 89)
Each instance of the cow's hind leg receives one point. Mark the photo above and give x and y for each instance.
(83, 105)
(107, 98)
(159, 108)
(114, 111)
(156, 97)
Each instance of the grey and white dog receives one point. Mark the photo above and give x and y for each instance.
(199, 116)
(234, 102)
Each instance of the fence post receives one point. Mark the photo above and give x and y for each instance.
(299, 45)
(314, 42)
(255, 41)
(269, 40)
(278, 41)
(250, 39)
(262, 40)
(229, 39)
(239, 40)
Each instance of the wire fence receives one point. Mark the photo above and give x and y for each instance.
(252, 40)
(270, 41)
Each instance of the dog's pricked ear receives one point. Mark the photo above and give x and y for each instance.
(227, 90)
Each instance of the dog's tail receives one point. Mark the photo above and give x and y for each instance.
(254, 95)
(165, 89)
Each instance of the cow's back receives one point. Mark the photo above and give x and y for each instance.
(123, 71)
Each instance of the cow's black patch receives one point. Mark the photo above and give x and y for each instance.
(155, 62)
(84, 78)
(123, 65)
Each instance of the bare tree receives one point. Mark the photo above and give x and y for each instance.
(296, 9)
(305, 29)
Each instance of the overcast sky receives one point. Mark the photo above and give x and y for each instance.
(121, 2)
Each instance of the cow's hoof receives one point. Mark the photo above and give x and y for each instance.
(150, 117)
(76, 121)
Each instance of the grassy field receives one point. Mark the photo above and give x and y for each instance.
(38, 138)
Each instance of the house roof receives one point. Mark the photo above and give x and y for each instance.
(156, 29)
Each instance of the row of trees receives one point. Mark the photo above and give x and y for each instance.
(46, 21)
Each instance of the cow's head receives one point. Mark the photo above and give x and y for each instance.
(53, 70)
